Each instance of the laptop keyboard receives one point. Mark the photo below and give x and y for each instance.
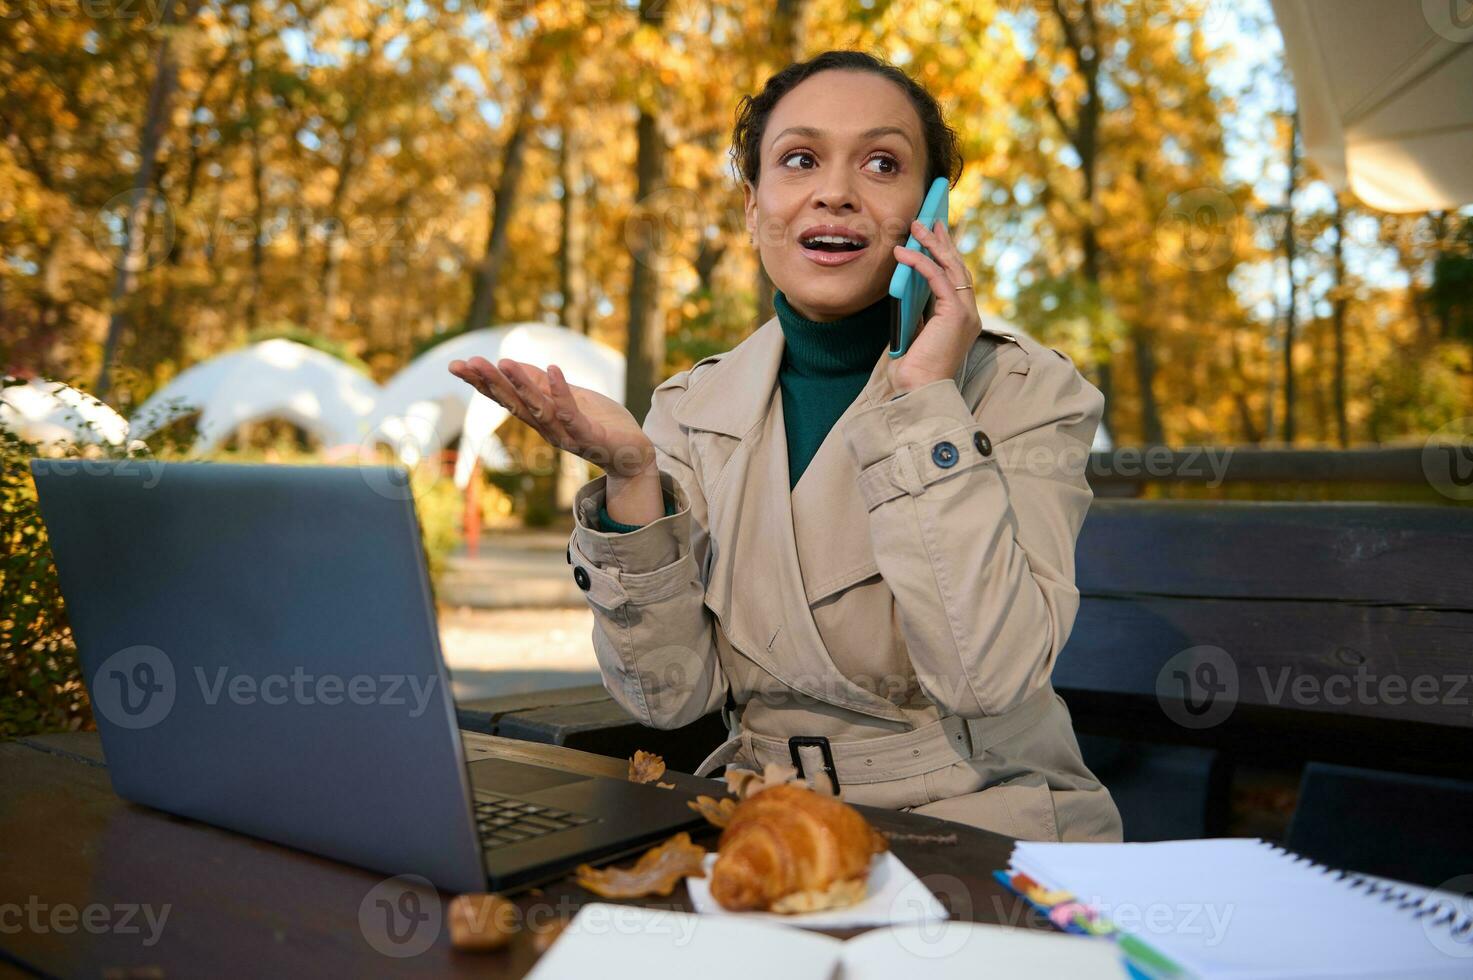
(503, 820)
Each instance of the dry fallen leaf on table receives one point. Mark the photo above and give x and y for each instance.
(645, 767)
(482, 921)
(717, 812)
(745, 782)
(657, 871)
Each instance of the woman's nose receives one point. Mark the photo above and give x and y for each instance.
(837, 191)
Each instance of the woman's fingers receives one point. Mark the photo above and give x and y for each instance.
(471, 375)
(532, 384)
(944, 252)
(941, 287)
(493, 384)
(542, 399)
(496, 386)
(583, 431)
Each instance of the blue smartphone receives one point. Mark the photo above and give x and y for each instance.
(909, 291)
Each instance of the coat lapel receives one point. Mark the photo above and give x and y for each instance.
(750, 510)
(830, 522)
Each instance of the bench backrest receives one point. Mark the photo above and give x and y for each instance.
(1339, 631)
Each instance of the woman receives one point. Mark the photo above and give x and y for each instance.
(867, 563)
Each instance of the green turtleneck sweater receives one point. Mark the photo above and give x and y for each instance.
(824, 368)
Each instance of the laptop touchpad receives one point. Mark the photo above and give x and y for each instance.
(505, 776)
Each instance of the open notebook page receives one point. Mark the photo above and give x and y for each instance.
(1241, 908)
(627, 942)
(975, 951)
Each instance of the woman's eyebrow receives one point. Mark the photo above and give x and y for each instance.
(869, 134)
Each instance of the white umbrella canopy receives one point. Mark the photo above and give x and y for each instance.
(424, 407)
(43, 411)
(1386, 96)
(276, 378)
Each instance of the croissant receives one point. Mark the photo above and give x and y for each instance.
(789, 849)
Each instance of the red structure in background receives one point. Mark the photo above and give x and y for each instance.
(470, 520)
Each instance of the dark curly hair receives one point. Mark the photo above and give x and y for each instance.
(943, 149)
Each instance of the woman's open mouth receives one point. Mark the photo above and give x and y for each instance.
(831, 248)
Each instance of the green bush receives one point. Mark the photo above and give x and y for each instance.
(440, 507)
(43, 689)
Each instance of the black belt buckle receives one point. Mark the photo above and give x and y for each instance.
(799, 741)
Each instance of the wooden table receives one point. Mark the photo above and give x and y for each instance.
(82, 871)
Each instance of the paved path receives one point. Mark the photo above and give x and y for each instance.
(511, 618)
(512, 570)
(510, 651)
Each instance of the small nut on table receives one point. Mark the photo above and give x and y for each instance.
(482, 921)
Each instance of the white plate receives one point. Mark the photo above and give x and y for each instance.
(894, 895)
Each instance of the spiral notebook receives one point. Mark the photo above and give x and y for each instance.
(1245, 908)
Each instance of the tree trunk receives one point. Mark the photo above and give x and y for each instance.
(645, 351)
(1145, 379)
(572, 257)
(156, 116)
(1443, 311)
(332, 249)
(1142, 338)
(1245, 413)
(258, 216)
(1082, 38)
(482, 310)
(712, 249)
(786, 45)
(1291, 312)
(1342, 423)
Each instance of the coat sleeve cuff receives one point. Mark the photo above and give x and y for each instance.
(644, 548)
(905, 444)
(607, 523)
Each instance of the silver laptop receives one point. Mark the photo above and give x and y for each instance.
(259, 644)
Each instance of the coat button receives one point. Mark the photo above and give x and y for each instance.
(983, 444)
(944, 454)
(570, 554)
(580, 575)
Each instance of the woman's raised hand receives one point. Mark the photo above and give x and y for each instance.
(581, 421)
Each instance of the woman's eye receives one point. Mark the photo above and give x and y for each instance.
(894, 165)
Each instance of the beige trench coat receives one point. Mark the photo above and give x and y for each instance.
(891, 623)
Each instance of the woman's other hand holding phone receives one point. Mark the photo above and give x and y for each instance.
(941, 344)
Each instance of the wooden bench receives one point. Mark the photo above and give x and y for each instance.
(1346, 630)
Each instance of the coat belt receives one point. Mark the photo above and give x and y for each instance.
(881, 758)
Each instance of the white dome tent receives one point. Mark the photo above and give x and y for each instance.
(51, 412)
(424, 407)
(272, 379)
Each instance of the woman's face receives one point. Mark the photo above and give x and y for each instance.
(843, 148)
